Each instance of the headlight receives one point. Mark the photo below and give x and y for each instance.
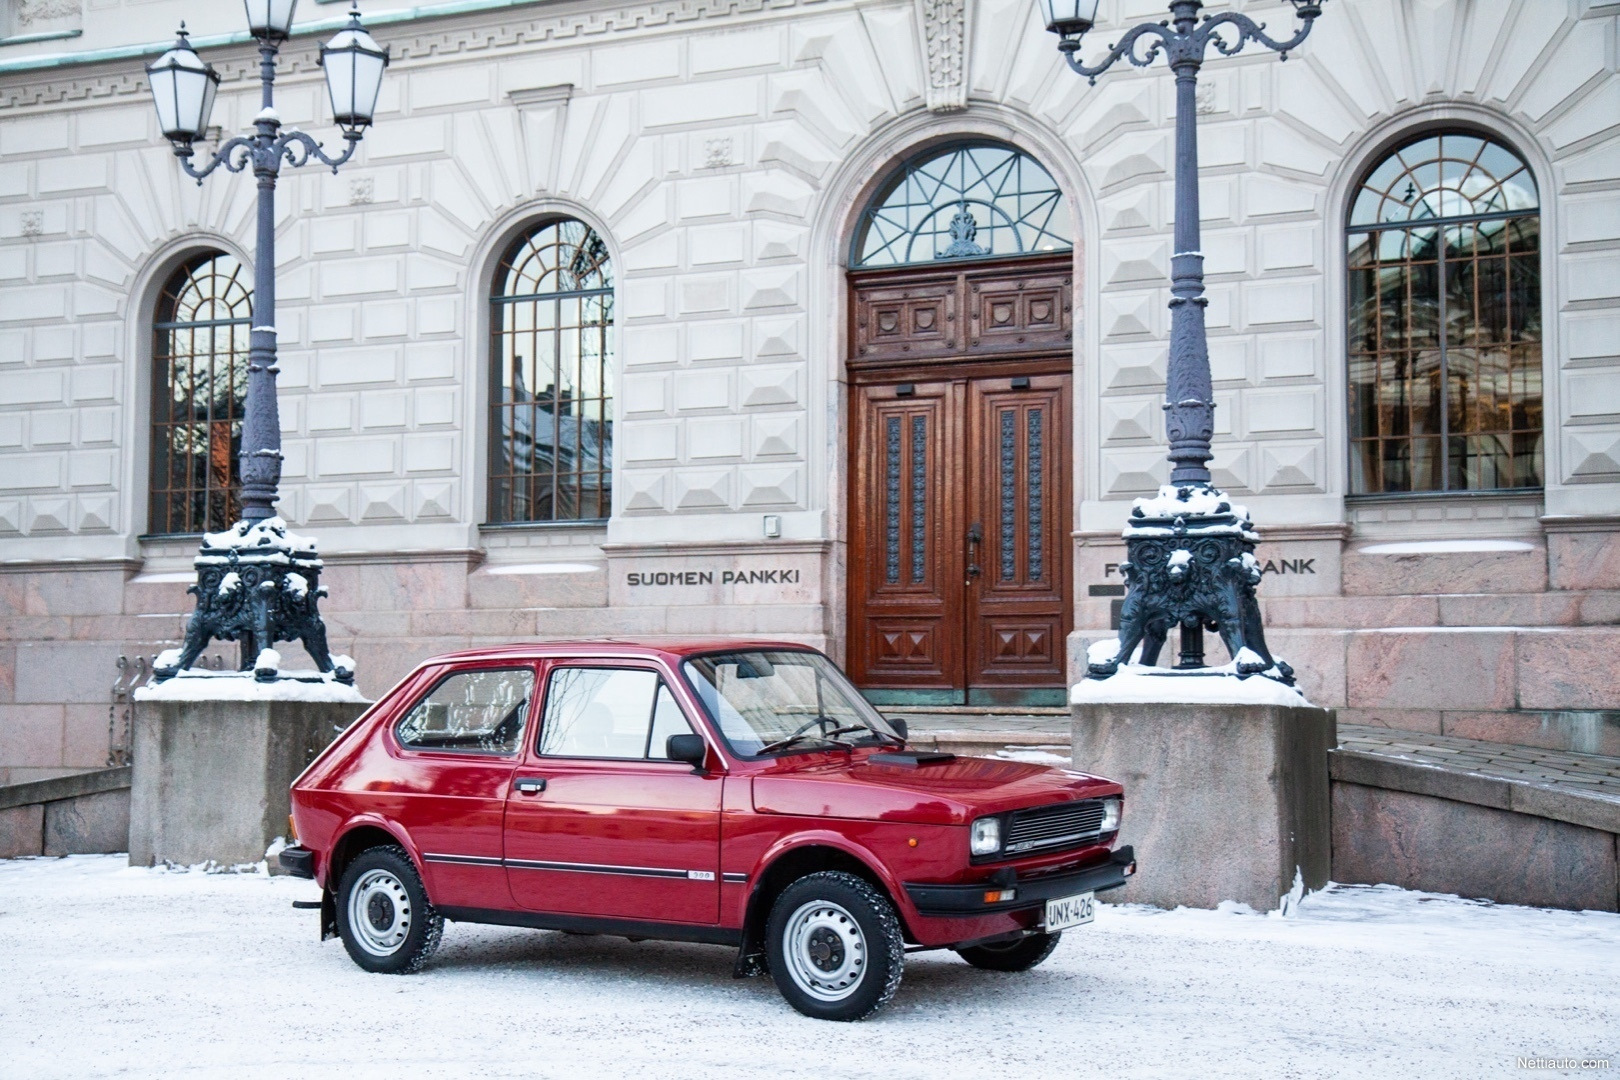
(1111, 810)
(986, 836)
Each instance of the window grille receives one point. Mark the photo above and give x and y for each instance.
(200, 368)
(974, 200)
(551, 427)
(1445, 320)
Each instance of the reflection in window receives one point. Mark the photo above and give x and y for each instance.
(199, 381)
(473, 710)
(551, 429)
(608, 713)
(970, 201)
(1445, 321)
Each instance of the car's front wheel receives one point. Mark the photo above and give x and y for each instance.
(1019, 955)
(835, 947)
(383, 914)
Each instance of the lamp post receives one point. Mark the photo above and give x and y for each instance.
(1189, 551)
(257, 583)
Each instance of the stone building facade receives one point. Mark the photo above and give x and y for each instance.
(726, 154)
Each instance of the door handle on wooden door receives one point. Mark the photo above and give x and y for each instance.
(975, 537)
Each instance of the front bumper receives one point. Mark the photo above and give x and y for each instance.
(298, 861)
(955, 901)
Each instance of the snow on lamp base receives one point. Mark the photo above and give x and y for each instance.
(1190, 564)
(257, 584)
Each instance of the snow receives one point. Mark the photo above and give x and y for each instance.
(1439, 547)
(268, 661)
(176, 577)
(154, 973)
(1139, 684)
(248, 537)
(543, 568)
(201, 685)
(1168, 503)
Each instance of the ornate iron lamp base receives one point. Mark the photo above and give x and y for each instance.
(1190, 564)
(257, 584)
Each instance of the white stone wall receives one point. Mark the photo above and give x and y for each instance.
(721, 149)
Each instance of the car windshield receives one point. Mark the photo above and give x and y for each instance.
(782, 701)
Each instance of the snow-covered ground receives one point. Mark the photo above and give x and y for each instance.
(112, 971)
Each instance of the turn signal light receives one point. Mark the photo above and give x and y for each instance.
(998, 896)
(292, 829)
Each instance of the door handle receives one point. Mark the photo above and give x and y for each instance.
(975, 537)
(530, 785)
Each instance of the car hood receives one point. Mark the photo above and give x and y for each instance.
(944, 793)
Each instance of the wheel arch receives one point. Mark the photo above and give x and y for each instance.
(797, 858)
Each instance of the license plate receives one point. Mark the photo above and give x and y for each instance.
(1067, 911)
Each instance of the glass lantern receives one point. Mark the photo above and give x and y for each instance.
(183, 89)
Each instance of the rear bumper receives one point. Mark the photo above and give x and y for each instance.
(297, 861)
(956, 901)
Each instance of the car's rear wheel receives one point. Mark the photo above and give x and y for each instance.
(383, 914)
(1019, 955)
(835, 947)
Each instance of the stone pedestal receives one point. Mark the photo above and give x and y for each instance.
(1222, 802)
(211, 778)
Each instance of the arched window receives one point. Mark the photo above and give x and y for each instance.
(973, 200)
(551, 428)
(199, 381)
(1445, 320)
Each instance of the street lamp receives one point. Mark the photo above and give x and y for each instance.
(1189, 551)
(257, 583)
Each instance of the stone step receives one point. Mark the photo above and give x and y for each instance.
(1514, 824)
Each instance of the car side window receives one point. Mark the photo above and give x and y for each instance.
(600, 712)
(476, 711)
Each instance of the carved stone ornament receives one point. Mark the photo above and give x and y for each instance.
(257, 584)
(944, 34)
(1190, 564)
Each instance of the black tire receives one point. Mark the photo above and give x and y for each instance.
(1019, 955)
(835, 946)
(400, 928)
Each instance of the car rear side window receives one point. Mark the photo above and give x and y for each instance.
(601, 712)
(471, 711)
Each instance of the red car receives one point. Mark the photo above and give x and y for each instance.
(742, 794)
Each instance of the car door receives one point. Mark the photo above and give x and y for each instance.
(598, 821)
(456, 748)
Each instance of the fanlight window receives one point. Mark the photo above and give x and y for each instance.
(1445, 321)
(552, 400)
(977, 200)
(200, 362)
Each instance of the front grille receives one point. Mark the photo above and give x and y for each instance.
(1043, 828)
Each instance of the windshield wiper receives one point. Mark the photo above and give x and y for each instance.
(801, 732)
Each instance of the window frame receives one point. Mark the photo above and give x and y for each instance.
(495, 300)
(171, 287)
(1389, 148)
(661, 680)
(461, 752)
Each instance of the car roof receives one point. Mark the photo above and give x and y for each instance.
(671, 651)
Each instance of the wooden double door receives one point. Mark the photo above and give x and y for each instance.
(959, 565)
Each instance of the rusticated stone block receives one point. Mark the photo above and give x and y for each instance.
(1431, 669)
(1584, 560)
(540, 585)
(1428, 720)
(31, 735)
(1440, 845)
(22, 831)
(1593, 732)
(88, 825)
(1317, 657)
(1569, 669)
(1222, 802)
(1528, 609)
(1419, 573)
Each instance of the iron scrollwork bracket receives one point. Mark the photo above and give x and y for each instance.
(265, 154)
(1189, 45)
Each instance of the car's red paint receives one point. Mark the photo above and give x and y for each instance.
(723, 828)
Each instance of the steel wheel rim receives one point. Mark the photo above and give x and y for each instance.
(825, 950)
(380, 913)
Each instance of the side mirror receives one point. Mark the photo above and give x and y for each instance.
(688, 748)
(899, 725)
